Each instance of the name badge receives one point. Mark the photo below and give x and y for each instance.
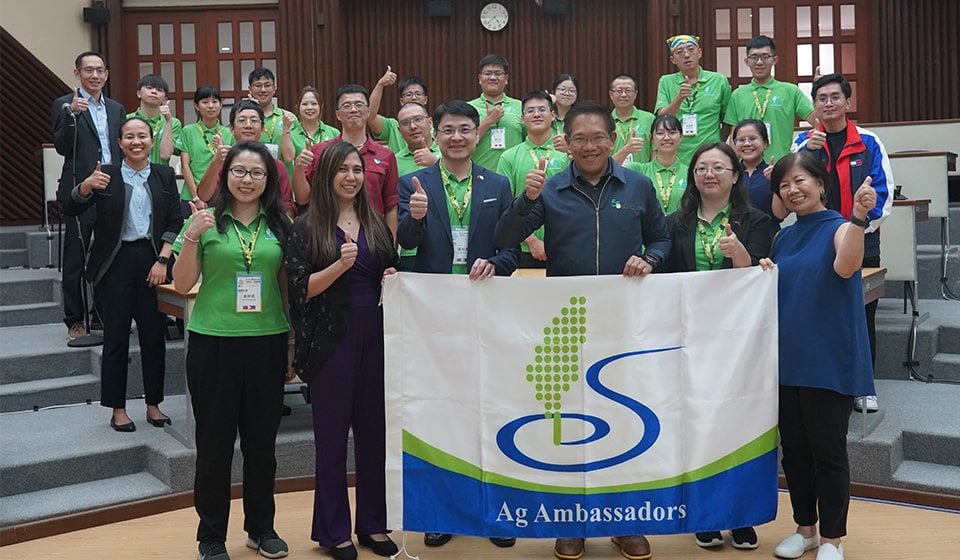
(628, 159)
(689, 124)
(498, 138)
(769, 130)
(249, 291)
(274, 149)
(460, 238)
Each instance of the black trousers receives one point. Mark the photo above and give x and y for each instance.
(813, 436)
(527, 261)
(871, 310)
(236, 384)
(74, 259)
(125, 295)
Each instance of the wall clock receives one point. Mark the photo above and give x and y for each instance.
(494, 16)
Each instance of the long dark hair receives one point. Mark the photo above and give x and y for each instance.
(277, 221)
(324, 209)
(690, 203)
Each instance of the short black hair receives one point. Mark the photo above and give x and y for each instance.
(261, 72)
(350, 88)
(244, 105)
(412, 81)
(755, 123)
(127, 120)
(761, 41)
(538, 94)
(413, 104)
(457, 108)
(84, 54)
(562, 78)
(803, 159)
(154, 81)
(667, 121)
(494, 60)
(624, 77)
(588, 108)
(831, 79)
(206, 91)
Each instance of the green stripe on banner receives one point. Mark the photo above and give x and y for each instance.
(439, 458)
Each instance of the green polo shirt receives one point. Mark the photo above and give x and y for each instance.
(707, 239)
(517, 161)
(639, 121)
(459, 190)
(157, 124)
(709, 101)
(405, 163)
(512, 124)
(390, 135)
(299, 137)
(273, 127)
(215, 310)
(196, 140)
(776, 103)
(668, 181)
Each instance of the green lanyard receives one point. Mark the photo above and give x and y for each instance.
(248, 247)
(756, 100)
(665, 194)
(710, 248)
(460, 210)
(693, 97)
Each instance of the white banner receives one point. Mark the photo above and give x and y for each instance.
(581, 406)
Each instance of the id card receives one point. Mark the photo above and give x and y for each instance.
(628, 159)
(249, 288)
(274, 149)
(498, 138)
(769, 130)
(689, 124)
(460, 238)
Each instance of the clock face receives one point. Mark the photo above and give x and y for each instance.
(494, 16)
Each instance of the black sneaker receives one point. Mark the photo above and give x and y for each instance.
(436, 539)
(503, 542)
(268, 545)
(709, 539)
(212, 550)
(745, 537)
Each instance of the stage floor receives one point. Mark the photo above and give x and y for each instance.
(877, 531)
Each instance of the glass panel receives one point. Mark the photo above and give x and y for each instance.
(766, 22)
(145, 39)
(189, 113)
(247, 66)
(853, 97)
(825, 21)
(848, 58)
(169, 72)
(744, 70)
(188, 38)
(270, 63)
(723, 61)
(723, 24)
(225, 37)
(188, 69)
(166, 38)
(848, 23)
(805, 60)
(226, 75)
(806, 88)
(268, 36)
(246, 36)
(826, 59)
(145, 68)
(744, 23)
(228, 103)
(803, 21)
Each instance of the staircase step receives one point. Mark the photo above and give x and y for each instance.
(928, 477)
(948, 339)
(941, 449)
(23, 508)
(49, 392)
(14, 258)
(944, 367)
(41, 290)
(15, 237)
(31, 314)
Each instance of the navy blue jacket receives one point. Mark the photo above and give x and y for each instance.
(81, 129)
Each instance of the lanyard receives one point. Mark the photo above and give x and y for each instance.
(273, 125)
(209, 141)
(624, 131)
(665, 195)
(536, 160)
(460, 210)
(756, 100)
(315, 137)
(246, 247)
(693, 97)
(710, 248)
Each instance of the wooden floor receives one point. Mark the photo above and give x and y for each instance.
(877, 531)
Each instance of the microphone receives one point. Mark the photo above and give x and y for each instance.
(66, 108)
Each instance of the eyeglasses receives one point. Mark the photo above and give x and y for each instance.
(660, 133)
(91, 70)
(623, 91)
(567, 90)
(261, 85)
(413, 95)
(716, 170)
(835, 98)
(541, 110)
(463, 131)
(745, 139)
(241, 172)
(253, 121)
(358, 105)
(754, 58)
(581, 141)
(687, 49)
(492, 74)
(412, 120)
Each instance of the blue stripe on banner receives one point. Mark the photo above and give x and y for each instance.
(437, 500)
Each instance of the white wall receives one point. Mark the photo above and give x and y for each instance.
(53, 30)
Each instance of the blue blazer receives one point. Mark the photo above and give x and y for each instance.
(433, 237)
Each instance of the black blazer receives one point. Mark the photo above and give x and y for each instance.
(754, 229)
(112, 203)
(432, 235)
(88, 150)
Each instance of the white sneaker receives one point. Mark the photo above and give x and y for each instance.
(795, 545)
(830, 552)
(870, 401)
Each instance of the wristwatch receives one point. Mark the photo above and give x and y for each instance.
(858, 222)
(163, 260)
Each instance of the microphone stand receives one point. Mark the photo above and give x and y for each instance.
(88, 340)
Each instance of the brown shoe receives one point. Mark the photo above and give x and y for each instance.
(568, 549)
(76, 331)
(634, 547)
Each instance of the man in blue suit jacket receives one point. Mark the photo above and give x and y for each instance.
(86, 125)
(448, 211)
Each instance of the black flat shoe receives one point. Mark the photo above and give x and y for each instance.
(343, 553)
(159, 422)
(128, 427)
(380, 548)
(503, 542)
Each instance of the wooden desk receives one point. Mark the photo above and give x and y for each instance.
(171, 302)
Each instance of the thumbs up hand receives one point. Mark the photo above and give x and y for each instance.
(686, 90)
(423, 157)
(98, 180)
(635, 144)
(216, 141)
(536, 178)
(78, 104)
(729, 244)
(768, 170)
(305, 159)
(418, 201)
(388, 79)
(165, 111)
(289, 119)
(348, 251)
(494, 113)
(200, 221)
(560, 143)
(817, 137)
(865, 199)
